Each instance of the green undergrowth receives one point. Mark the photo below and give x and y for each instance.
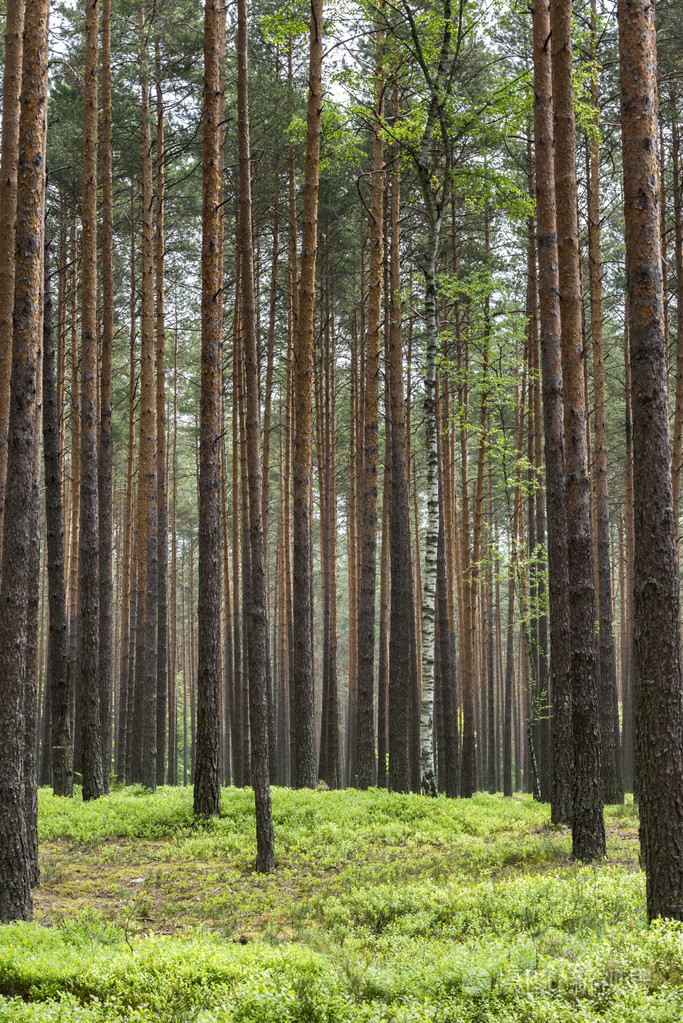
(381, 908)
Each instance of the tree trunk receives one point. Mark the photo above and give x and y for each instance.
(11, 88)
(87, 656)
(162, 488)
(105, 496)
(677, 457)
(401, 679)
(611, 780)
(126, 659)
(147, 470)
(305, 758)
(173, 666)
(588, 829)
(15, 865)
(365, 767)
(258, 631)
(553, 422)
(657, 675)
(431, 532)
(207, 778)
(58, 668)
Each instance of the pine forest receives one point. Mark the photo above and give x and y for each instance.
(341, 439)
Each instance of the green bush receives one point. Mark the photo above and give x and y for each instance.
(382, 909)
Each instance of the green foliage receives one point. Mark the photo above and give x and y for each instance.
(381, 908)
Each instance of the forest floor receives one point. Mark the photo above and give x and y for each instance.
(381, 908)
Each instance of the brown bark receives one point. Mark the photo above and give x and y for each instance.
(467, 772)
(292, 317)
(105, 495)
(239, 767)
(21, 493)
(352, 543)
(402, 680)
(207, 793)
(258, 632)
(305, 760)
(677, 456)
(611, 780)
(126, 691)
(87, 651)
(383, 659)
(553, 422)
(228, 662)
(147, 472)
(74, 475)
(657, 669)
(588, 830)
(60, 697)
(365, 767)
(162, 472)
(173, 663)
(11, 88)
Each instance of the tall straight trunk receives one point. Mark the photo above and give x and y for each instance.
(490, 647)
(305, 759)
(536, 696)
(468, 749)
(352, 544)
(588, 829)
(416, 656)
(657, 674)
(246, 557)
(500, 699)
(401, 677)
(677, 457)
(74, 483)
(329, 745)
(333, 730)
(292, 318)
(509, 684)
(228, 662)
(105, 495)
(192, 670)
(207, 779)
(44, 743)
(628, 690)
(11, 88)
(21, 493)
(162, 488)
(126, 691)
(172, 778)
(431, 531)
(663, 237)
(321, 448)
(545, 749)
(611, 780)
(383, 659)
(270, 353)
(236, 722)
(448, 780)
(61, 367)
(365, 767)
(60, 696)
(87, 656)
(553, 423)
(184, 662)
(258, 631)
(468, 781)
(147, 473)
(516, 584)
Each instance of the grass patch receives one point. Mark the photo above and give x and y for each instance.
(381, 908)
